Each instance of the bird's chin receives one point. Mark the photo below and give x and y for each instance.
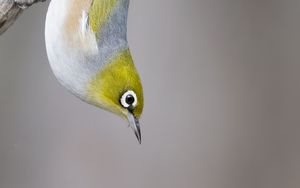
(110, 107)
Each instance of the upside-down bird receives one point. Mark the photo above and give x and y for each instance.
(86, 42)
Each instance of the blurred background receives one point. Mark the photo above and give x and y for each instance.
(222, 110)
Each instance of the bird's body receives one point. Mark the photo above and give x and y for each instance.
(87, 48)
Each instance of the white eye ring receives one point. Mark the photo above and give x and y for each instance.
(124, 99)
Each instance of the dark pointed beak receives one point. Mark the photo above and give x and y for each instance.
(135, 125)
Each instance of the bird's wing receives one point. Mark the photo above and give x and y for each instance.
(107, 19)
(104, 27)
(100, 13)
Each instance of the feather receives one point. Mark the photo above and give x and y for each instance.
(84, 22)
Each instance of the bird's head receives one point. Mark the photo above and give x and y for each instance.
(118, 89)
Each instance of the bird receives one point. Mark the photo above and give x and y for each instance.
(88, 52)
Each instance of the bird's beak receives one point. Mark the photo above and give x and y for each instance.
(135, 125)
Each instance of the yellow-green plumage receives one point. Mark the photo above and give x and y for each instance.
(99, 13)
(116, 77)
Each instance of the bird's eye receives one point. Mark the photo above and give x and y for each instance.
(129, 99)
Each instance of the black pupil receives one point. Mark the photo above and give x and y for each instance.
(129, 99)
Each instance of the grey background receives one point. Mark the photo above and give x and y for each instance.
(221, 81)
